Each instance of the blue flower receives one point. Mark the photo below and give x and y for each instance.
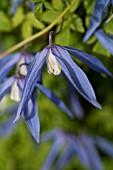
(17, 3)
(67, 145)
(57, 59)
(99, 13)
(100, 10)
(8, 62)
(14, 85)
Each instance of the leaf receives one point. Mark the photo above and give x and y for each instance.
(18, 18)
(5, 25)
(33, 21)
(48, 5)
(76, 24)
(26, 29)
(57, 5)
(75, 6)
(65, 35)
(38, 9)
(109, 27)
(49, 16)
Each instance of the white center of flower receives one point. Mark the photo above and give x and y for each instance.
(52, 64)
(15, 93)
(23, 68)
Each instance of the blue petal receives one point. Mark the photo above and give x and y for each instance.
(53, 154)
(7, 128)
(15, 5)
(93, 62)
(64, 159)
(75, 103)
(79, 150)
(31, 80)
(94, 158)
(112, 2)
(7, 63)
(75, 75)
(50, 95)
(105, 40)
(31, 117)
(105, 145)
(5, 87)
(50, 135)
(97, 16)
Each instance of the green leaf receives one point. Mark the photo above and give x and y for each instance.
(38, 10)
(26, 29)
(76, 24)
(35, 0)
(64, 37)
(99, 49)
(50, 16)
(5, 24)
(75, 6)
(109, 27)
(18, 18)
(34, 22)
(48, 5)
(57, 5)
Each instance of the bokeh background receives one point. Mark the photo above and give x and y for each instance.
(18, 150)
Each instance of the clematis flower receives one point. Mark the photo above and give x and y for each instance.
(100, 10)
(7, 63)
(14, 86)
(99, 13)
(67, 146)
(57, 59)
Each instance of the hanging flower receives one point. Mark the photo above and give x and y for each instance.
(7, 63)
(59, 59)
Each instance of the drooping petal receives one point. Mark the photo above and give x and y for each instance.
(75, 103)
(31, 117)
(31, 80)
(78, 150)
(97, 16)
(53, 154)
(55, 99)
(64, 159)
(105, 40)
(7, 127)
(8, 64)
(94, 158)
(75, 75)
(6, 86)
(105, 145)
(93, 62)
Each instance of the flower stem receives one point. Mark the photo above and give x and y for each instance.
(33, 37)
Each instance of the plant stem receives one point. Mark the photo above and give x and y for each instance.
(33, 37)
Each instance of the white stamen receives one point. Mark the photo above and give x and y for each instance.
(23, 68)
(52, 64)
(15, 94)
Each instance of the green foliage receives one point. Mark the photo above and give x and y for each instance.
(19, 151)
(5, 24)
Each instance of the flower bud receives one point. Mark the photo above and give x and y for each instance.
(15, 93)
(52, 64)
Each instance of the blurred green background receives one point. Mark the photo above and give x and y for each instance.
(19, 151)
